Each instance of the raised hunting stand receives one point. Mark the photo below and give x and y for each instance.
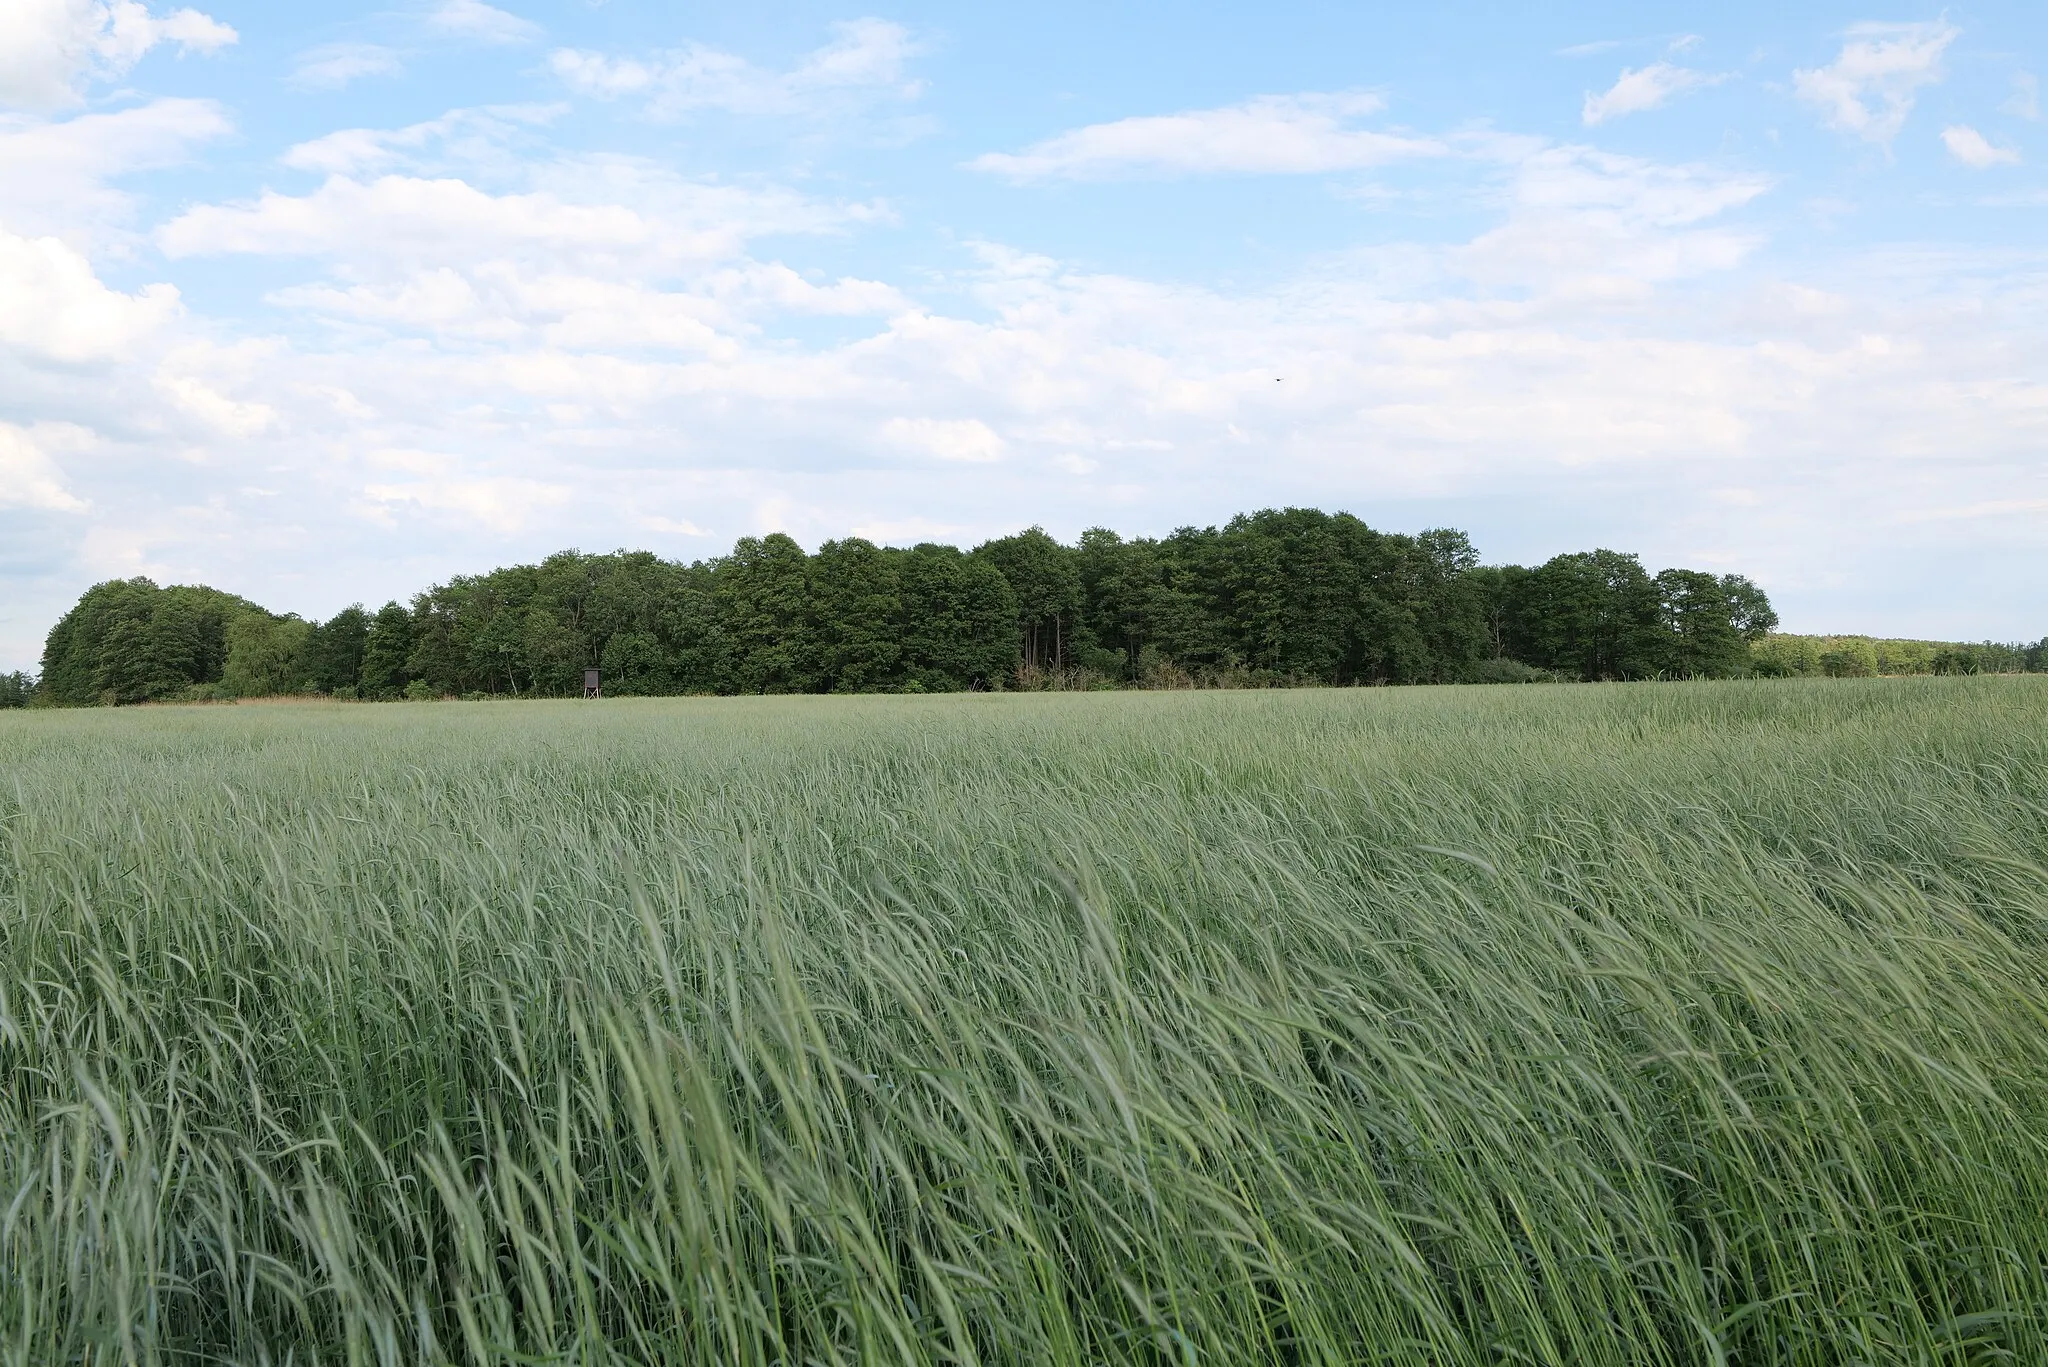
(590, 684)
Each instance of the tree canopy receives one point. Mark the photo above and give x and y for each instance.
(1277, 597)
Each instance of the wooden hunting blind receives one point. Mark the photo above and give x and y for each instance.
(590, 684)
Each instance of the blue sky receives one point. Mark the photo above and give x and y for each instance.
(321, 304)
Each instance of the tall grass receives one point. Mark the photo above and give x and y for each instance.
(1626, 1024)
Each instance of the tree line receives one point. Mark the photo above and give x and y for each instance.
(1864, 657)
(1278, 597)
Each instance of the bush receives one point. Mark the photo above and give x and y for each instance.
(16, 690)
(1852, 659)
(1505, 671)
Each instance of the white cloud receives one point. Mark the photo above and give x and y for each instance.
(500, 504)
(1643, 89)
(1274, 134)
(2026, 97)
(956, 439)
(335, 66)
(1587, 229)
(54, 175)
(28, 477)
(213, 410)
(1869, 89)
(53, 307)
(485, 23)
(613, 215)
(487, 138)
(1974, 150)
(48, 48)
(603, 253)
(865, 60)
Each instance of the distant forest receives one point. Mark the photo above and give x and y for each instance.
(1274, 598)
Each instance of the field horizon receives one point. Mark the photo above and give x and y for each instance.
(1677, 1023)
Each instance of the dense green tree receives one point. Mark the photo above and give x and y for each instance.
(1786, 657)
(1850, 658)
(436, 660)
(764, 599)
(620, 616)
(556, 654)
(387, 645)
(1449, 605)
(129, 641)
(16, 690)
(856, 598)
(1499, 591)
(1045, 580)
(1150, 603)
(1595, 614)
(959, 620)
(693, 630)
(1117, 578)
(1702, 640)
(334, 652)
(266, 656)
(1320, 597)
(1278, 596)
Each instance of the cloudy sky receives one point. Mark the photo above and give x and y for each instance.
(320, 304)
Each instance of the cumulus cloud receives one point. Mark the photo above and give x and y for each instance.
(335, 66)
(957, 439)
(865, 60)
(49, 48)
(501, 504)
(484, 23)
(469, 139)
(1869, 88)
(53, 307)
(1643, 89)
(1271, 135)
(1974, 150)
(28, 477)
(615, 216)
(595, 254)
(55, 176)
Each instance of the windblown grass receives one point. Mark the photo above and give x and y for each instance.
(1624, 1024)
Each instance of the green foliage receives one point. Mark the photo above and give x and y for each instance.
(1640, 1026)
(387, 647)
(763, 591)
(1045, 580)
(1849, 659)
(17, 690)
(1505, 671)
(128, 641)
(959, 620)
(857, 608)
(1594, 615)
(267, 656)
(1280, 597)
(333, 660)
(1785, 656)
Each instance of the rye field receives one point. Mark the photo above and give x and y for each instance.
(1616, 1024)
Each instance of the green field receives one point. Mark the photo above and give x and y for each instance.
(1677, 1023)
